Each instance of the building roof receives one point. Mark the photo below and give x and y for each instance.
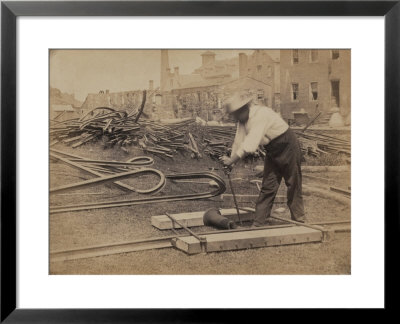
(185, 79)
(200, 84)
(224, 82)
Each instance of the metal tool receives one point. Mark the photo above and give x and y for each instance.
(213, 217)
(201, 239)
(227, 171)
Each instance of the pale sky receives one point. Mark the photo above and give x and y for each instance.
(89, 71)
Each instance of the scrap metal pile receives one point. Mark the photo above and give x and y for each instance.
(219, 141)
(122, 129)
(315, 143)
(119, 128)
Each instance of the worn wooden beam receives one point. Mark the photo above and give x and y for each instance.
(249, 239)
(196, 218)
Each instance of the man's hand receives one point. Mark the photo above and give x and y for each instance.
(226, 160)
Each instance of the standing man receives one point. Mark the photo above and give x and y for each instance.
(260, 125)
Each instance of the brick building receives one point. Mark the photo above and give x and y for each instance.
(202, 92)
(215, 80)
(205, 98)
(124, 100)
(314, 80)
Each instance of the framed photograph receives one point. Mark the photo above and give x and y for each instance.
(163, 158)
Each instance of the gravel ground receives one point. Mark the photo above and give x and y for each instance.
(105, 226)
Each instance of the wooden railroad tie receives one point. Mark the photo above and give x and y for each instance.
(249, 239)
(193, 219)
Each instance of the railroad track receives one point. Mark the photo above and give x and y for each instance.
(161, 242)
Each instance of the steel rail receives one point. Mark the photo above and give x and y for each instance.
(109, 178)
(145, 244)
(137, 160)
(88, 170)
(146, 161)
(174, 220)
(132, 246)
(120, 203)
(79, 166)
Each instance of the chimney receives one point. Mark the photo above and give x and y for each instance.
(164, 66)
(242, 64)
(208, 58)
(176, 70)
(151, 85)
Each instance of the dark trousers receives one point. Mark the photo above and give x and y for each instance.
(283, 160)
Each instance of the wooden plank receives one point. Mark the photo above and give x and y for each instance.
(196, 218)
(279, 199)
(249, 239)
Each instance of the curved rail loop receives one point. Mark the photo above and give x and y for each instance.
(135, 161)
(112, 178)
(120, 203)
(78, 162)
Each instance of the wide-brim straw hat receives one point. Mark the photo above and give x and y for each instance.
(236, 102)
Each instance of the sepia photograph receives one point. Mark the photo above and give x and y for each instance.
(200, 161)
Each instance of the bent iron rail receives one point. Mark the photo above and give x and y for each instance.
(120, 203)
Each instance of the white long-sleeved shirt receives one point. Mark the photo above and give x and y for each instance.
(263, 126)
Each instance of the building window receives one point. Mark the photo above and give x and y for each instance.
(313, 56)
(295, 91)
(269, 71)
(295, 56)
(335, 54)
(335, 93)
(313, 91)
(260, 94)
(259, 68)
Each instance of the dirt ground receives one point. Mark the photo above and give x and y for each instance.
(72, 230)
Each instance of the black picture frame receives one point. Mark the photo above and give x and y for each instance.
(10, 10)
